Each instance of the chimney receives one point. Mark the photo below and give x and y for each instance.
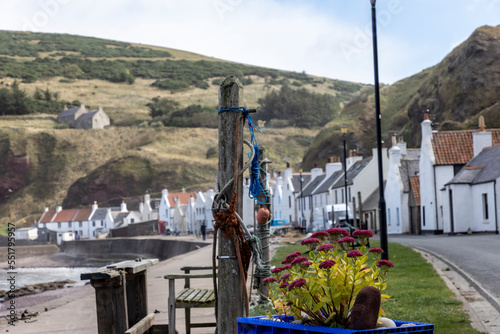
(331, 167)
(402, 146)
(287, 173)
(482, 138)
(164, 192)
(58, 209)
(46, 209)
(141, 206)
(123, 207)
(147, 198)
(315, 172)
(94, 206)
(426, 130)
(183, 189)
(395, 155)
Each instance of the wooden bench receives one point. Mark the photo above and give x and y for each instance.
(189, 297)
(121, 297)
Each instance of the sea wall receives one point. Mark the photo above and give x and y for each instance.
(20, 252)
(130, 248)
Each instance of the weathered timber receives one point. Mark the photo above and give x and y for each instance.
(143, 325)
(188, 298)
(121, 295)
(231, 290)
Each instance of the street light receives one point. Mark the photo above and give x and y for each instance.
(301, 201)
(381, 203)
(344, 134)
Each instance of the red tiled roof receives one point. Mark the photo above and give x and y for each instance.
(183, 198)
(455, 147)
(47, 216)
(65, 215)
(415, 187)
(83, 215)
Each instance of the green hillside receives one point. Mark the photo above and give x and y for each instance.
(44, 164)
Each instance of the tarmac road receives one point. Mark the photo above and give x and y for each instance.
(477, 255)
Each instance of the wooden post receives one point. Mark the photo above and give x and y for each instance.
(263, 229)
(111, 304)
(354, 222)
(231, 291)
(360, 206)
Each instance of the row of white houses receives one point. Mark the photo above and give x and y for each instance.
(450, 185)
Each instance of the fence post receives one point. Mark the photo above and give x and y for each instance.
(231, 291)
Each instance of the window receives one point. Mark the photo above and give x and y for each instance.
(131, 220)
(290, 202)
(69, 224)
(59, 225)
(389, 216)
(397, 216)
(423, 214)
(485, 206)
(336, 199)
(349, 194)
(93, 223)
(80, 224)
(342, 191)
(102, 223)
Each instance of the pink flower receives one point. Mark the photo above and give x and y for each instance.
(298, 259)
(376, 250)
(363, 233)
(386, 263)
(310, 241)
(283, 285)
(286, 261)
(288, 266)
(277, 270)
(285, 277)
(320, 235)
(327, 264)
(337, 231)
(347, 240)
(324, 248)
(298, 283)
(354, 253)
(305, 264)
(292, 256)
(269, 280)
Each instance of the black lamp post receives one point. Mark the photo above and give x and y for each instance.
(381, 203)
(344, 134)
(301, 200)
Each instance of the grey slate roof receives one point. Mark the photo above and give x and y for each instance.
(308, 190)
(412, 153)
(99, 214)
(87, 115)
(296, 181)
(485, 167)
(408, 167)
(69, 112)
(353, 172)
(121, 216)
(329, 182)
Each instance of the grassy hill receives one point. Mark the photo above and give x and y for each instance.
(43, 164)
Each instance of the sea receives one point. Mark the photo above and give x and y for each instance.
(28, 276)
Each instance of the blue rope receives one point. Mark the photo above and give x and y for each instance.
(255, 184)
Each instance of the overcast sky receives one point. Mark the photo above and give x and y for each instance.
(329, 38)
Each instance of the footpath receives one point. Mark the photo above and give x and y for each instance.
(75, 312)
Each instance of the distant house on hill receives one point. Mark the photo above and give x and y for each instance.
(81, 118)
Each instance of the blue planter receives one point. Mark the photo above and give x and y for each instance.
(261, 325)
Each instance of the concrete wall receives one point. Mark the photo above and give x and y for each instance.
(131, 247)
(28, 251)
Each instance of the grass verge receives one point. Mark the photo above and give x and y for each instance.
(417, 292)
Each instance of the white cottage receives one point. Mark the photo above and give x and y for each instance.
(402, 165)
(471, 198)
(443, 154)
